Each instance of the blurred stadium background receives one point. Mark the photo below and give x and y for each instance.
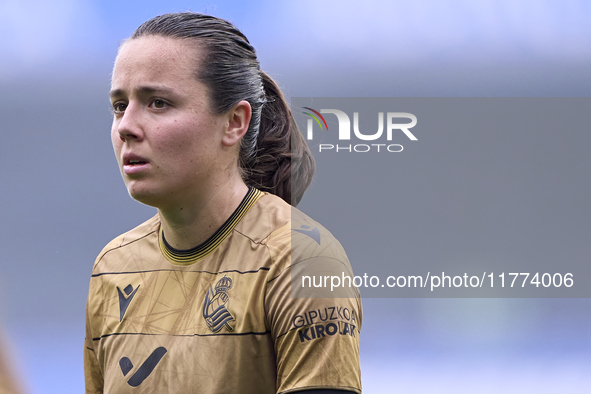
(62, 199)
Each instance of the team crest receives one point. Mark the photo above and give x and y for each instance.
(215, 305)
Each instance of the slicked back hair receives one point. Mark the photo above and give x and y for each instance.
(273, 156)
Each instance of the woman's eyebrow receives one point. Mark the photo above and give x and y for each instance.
(116, 93)
(142, 90)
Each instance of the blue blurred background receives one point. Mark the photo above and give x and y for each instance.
(62, 199)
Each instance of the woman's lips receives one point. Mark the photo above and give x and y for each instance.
(132, 164)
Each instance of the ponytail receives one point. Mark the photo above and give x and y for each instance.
(283, 164)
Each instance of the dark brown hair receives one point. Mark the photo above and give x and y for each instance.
(274, 156)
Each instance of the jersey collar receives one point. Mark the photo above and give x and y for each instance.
(189, 256)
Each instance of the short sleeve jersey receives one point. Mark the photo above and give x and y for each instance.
(221, 317)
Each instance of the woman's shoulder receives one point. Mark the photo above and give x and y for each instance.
(302, 248)
(275, 223)
(147, 228)
(271, 218)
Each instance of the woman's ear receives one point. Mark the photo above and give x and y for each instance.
(238, 122)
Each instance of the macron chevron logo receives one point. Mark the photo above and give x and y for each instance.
(125, 299)
(310, 232)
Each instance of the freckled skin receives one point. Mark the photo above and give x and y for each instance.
(162, 115)
(183, 140)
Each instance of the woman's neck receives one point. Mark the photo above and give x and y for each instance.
(190, 225)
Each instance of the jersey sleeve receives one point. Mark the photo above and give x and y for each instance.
(93, 375)
(315, 329)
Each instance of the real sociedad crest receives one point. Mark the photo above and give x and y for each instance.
(215, 309)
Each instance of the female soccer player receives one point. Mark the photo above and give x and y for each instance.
(199, 298)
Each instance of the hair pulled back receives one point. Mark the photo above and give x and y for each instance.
(273, 154)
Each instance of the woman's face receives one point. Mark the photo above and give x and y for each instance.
(166, 139)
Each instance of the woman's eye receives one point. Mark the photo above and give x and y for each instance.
(159, 103)
(119, 107)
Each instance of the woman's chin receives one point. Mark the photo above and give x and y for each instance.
(146, 197)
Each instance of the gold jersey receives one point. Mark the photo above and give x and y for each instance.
(221, 317)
